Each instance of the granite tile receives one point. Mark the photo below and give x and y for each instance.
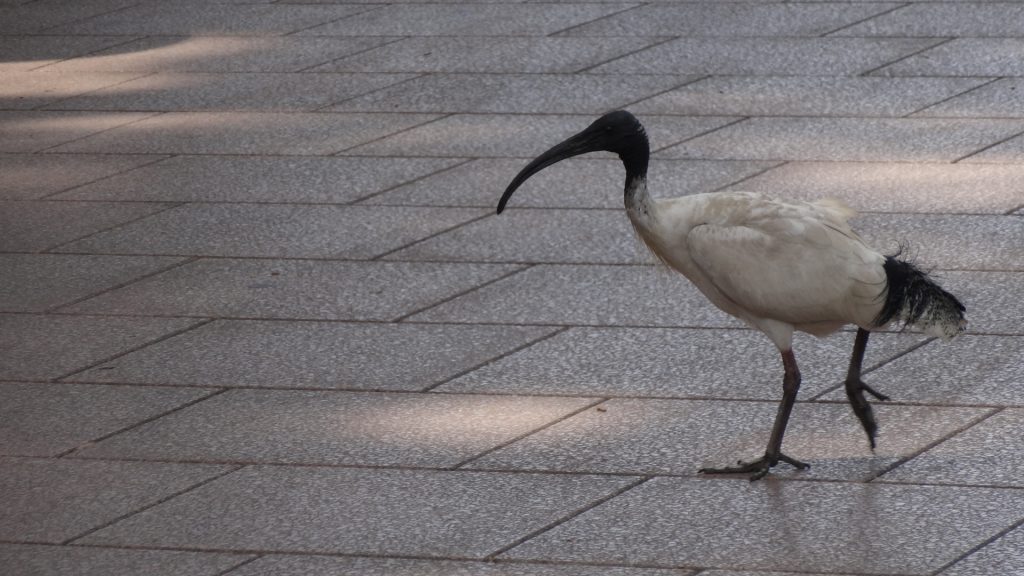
(488, 54)
(35, 226)
(206, 91)
(971, 369)
(575, 183)
(533, 236)
(37, 282)
(336, 428)
(486, 135)
(965, 242)
(34, 17)
(35, 131)
(316, 355)
(845, 527)
(1010, 151)
(627, 436)
(306, 565)
(53, 500)
(585, 295)
(28, 52)
(988, 453)
(207, 19)
(466, 19)
(33, 176)
(766, 56)
(963, 57)
(219, 54)
(730, 19)
(48, 419)
(275, 230)
(259, 179)
(297, 289)
(1000, 99)
(848, 139)
(40, 347)
(1002, 556)
(513, 93)
(896, 187)
(245, 133)
(38, 560)
(27, 90)
(681, 363)
(956, 19)
(361, 511)
(805, 96)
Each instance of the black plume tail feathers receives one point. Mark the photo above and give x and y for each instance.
(914, 299)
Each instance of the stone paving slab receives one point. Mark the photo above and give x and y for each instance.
(489, 135)
(731, 20)
(17, 17)
(969, 370)
(361, 511)
(259, 179)
(207, 19)
(467, 19)
(1000, 99)
(337, 428)
(890, 187)
(807, 96)
(282, 565)
(36, 131)
(1008, 151)
(993, 305)
(584, 295)
(24, 53)
(238, 91)
(38, 226)
(30, 176)
(681, 363)
(295, 289)
(52, 501)
(960, 19)
(219, 54)
(245, 133)
(321, 355)
(531, 236)
(848, 139)
(1002, 555)
(513, 93)
(576, 183)
(38, 282)
(40, 560)
(275, 230)
(50, 419)
(766, 56)
(963, 57)
(627, 436)
(487, 54)
(35, 89)
(38, 347)
(988, 453)
(847, 527)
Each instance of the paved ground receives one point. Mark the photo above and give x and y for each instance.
(259, 316)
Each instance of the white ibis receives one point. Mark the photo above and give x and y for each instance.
(779, 266)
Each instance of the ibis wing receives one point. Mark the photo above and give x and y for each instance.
(800, 264)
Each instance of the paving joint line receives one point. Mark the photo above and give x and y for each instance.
(412, 77)
(751, 176)
(128, 40)
(694, 80)
(134, 348)
(988, 147)
(309, 69)
(734, 120)
(52, 196)
(364, 9)
(381, 257)
(655, 42)
(887, 12)
(566, 518)
(145, 116)
(939, 42)
(46, 106)
(509, 274)
(71, 451)
(183, 262)
(974, 549)
(244, 562)
(560, 33)
(166, 207)
(458, 162)
(988, 82)
(436, 118)
(218, 476)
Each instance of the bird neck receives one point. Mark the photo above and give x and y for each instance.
(636, 198)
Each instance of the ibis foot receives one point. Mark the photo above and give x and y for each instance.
(757, 468)
(855, 389)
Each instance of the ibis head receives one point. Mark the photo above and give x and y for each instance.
(619, 132)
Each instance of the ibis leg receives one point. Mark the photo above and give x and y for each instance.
(855, 388)
(773, 454)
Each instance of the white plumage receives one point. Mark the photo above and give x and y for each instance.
(779, 266)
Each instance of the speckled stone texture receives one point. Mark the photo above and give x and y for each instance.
(258, 316)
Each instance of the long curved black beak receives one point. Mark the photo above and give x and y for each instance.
(586, 141)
